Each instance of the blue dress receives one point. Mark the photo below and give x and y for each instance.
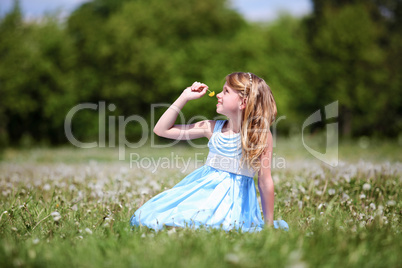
(220, 194)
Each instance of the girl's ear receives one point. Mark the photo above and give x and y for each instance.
(243, 104)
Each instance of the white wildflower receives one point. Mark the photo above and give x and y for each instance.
(331, 191)
(232, 258)
(88, 230)
(46, 187)
(391, 203)
(171, 231)
(56, 216)
(347, 178)
(35, 241)
(145, 190)
(372, 206)
(124, 170)
(366, 186)
(318, 192)
(362, 196)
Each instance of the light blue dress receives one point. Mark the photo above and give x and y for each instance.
(220, 194)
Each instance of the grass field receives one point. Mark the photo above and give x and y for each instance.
(67, 207)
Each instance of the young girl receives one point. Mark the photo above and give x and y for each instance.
(221, 194)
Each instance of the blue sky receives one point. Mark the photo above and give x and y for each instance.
(254, 10)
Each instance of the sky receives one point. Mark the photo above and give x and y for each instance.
(253, 10)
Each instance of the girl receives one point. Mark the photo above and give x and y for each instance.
(221, 194)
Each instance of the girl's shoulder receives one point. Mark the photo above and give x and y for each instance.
(213, 126)
(209, 126)
(217, 125)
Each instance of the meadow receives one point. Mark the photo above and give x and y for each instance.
(70, 207)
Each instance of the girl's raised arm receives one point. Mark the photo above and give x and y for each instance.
(165, 126)
(266, 184)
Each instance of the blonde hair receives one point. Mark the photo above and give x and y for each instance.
(258, 115)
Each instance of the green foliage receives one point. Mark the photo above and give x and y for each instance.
(134, 53)
(36, 77)
(354, 44)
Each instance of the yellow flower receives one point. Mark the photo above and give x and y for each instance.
(211, 94)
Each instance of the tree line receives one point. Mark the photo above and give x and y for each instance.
(134, 53)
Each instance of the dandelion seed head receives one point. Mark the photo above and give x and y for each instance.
(46, 187)
(232, 258)
(318, 192)
(366, 187)
(56, 216)
(391, 203)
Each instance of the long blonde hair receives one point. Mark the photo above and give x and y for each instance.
(258, 115)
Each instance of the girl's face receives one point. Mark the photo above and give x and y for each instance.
(228, 102)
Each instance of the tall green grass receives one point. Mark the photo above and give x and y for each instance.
(68, 207)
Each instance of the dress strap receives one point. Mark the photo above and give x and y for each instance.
(218, 125)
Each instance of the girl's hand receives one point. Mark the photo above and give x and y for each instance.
(197, 90)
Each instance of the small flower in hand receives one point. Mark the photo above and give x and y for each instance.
(199, 86)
